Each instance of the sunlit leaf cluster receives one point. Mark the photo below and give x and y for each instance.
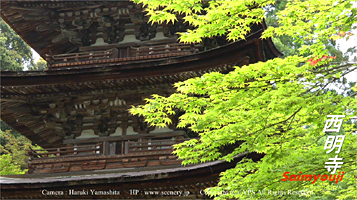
(209, 18)
(277, 108)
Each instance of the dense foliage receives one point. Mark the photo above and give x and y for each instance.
(278, 107)
(13, 150)
(41, 64)
(14, 52)
(287, 44)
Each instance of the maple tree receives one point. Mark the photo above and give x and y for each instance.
(278, 107)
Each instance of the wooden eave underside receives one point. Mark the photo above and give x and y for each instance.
(39, 22)
(24, 16)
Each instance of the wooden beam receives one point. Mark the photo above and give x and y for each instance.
(124, 137)
(19, 109)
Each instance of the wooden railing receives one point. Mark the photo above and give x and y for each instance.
(96, 149)
(121, 54)
(115, 145)
(82, 56)
(164, 49)
(149, 146)
(142, 150)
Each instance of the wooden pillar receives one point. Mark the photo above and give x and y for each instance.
(58, 153)
(122, 147)
(105, 147)
(112, 146)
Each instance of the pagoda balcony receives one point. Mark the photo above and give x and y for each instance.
(116, 152)
(94, 55)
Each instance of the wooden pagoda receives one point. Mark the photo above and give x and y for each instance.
(103, 57)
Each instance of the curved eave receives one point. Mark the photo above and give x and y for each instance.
(228, 54)
(190, 178)
(270, 45)
(144, 173)
(33, 45)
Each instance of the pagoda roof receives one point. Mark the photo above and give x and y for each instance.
(26, 96)
(252, 50)
(191, 178)
(78, 73)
